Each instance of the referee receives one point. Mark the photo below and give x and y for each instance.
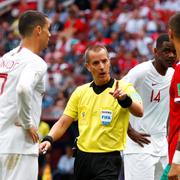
(102, 109)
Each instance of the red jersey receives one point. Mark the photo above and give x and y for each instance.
(174, 121)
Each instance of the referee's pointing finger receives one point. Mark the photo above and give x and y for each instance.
(115, 90)
(117, 85)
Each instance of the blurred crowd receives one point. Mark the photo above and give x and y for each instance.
(128, 28)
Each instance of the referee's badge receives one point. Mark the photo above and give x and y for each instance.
(106, 117)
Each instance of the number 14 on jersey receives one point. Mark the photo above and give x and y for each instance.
(155, 96)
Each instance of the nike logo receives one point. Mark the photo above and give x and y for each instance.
(153, 84)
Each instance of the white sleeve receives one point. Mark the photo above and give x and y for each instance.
(29, 77)
(135, 75)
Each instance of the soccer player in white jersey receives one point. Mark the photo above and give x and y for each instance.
(145, 155)
(21, 90)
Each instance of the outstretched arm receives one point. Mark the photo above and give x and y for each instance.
(136, 109)
(56, 132)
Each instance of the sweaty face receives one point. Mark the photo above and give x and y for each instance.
(166, 55)
(45, 34)
(99, 66)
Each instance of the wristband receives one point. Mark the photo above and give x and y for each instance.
(126, 102)
(49, 139)
(176, 157)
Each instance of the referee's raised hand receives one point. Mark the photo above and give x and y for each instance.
(118, 93)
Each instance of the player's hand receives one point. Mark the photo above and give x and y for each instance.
(44, 147)
(139, 138)
(174, 172)
(32, 132)
(118, 93)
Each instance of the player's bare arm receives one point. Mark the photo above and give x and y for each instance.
(139, 138)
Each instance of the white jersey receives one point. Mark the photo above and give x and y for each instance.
(21, 91)
(154, 91)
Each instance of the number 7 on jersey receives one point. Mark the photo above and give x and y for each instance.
(3, 79)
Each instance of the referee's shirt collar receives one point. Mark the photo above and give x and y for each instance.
(100, 89)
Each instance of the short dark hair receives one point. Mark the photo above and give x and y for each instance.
(95, 48)
(29, 20)
(174, 24)
(162, 38)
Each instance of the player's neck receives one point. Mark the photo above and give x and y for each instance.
(178, 51)
(29, 44)
(159, 68)
(100, 82)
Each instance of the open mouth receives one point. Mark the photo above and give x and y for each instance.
(102, 74)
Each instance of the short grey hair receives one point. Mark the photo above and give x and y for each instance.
(95, 48)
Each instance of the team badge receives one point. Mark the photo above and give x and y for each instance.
(178, 88)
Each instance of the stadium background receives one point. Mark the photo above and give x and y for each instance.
(128, 28)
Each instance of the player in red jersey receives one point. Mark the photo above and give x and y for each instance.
(174, 122)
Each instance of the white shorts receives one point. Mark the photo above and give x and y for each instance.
(18, 167)
(144, 166)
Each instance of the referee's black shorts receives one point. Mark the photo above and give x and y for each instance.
(97, 166)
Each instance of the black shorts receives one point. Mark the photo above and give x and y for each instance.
(97, 166)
